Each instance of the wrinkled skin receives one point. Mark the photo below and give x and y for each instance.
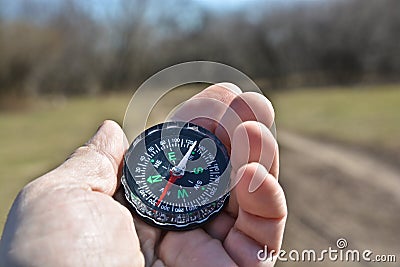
(69, 216)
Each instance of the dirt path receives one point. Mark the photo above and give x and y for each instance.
(336, 192)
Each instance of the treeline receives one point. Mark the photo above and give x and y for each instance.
(69, 47)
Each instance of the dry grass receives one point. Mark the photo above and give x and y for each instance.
(365, 116)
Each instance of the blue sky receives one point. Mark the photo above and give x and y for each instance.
(101, 7)
(231, 4)
(237, 4)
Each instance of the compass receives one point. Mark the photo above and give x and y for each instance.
(176, 175)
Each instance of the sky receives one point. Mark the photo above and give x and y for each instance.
(237, 4)
(102, 7)
(230, 4)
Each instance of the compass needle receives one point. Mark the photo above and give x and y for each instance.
(182, 163)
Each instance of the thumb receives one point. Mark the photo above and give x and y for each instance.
(97, 163)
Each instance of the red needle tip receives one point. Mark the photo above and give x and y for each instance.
(172, 179)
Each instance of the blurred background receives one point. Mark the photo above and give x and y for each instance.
(330, 67)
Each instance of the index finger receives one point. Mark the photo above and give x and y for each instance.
(207, 107)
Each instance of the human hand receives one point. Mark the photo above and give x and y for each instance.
(68, 217)
(256, 213)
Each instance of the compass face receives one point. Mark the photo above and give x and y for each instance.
(176, 175)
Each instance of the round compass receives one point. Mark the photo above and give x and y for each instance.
(176, 175)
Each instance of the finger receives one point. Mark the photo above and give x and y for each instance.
(207, 107)
(249, 106)
(262, 212)
(243, 249)
(233, 206)
(158, 263)
(224, 92)
(193, 248)
(274, 170)
(219, 227)
(262, 216)
(264, 231)
(148, 236)
(267, 199)
(253, 142)
(97, 163)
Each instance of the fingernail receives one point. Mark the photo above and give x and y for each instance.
(256, 182)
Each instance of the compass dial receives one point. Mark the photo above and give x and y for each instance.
(176, 175)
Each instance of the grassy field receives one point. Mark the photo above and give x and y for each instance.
(365, 116)
(36, 140)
